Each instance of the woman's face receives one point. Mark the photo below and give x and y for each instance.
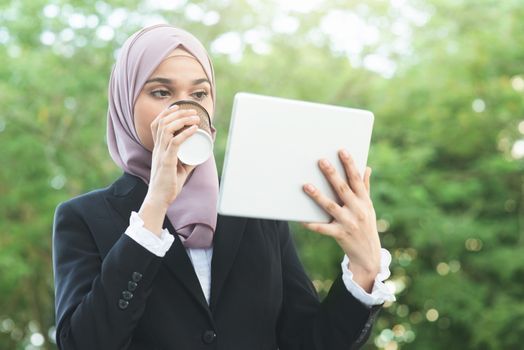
(178, 77)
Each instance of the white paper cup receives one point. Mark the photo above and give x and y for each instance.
(198, 147)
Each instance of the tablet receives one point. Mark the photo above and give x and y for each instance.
(273, 149)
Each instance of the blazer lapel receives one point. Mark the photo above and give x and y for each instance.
(226, 241)
(178, 262)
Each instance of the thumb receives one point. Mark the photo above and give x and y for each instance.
(367, 177)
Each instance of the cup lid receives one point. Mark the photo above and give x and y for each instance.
(205, 119)
(196, 149)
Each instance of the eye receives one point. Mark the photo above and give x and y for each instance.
(199, 95)
(160, 93)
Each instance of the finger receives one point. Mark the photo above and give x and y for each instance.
(166, 116)
(179, 114)
(367, 177)
(155, 122)
(331, 207)
(355, 181)
(340, 185)
(330, 230)
(175, 142)
(167, 111)
(169, 129)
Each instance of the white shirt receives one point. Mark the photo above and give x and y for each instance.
(201, 260)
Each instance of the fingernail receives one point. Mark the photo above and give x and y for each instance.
(324, 163)
(173, 107)
(309, 188)
(344, 154)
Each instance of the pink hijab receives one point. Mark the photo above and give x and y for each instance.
(194, 212)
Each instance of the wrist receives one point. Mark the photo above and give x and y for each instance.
(154, 203)
(153, 214)
(364, 277)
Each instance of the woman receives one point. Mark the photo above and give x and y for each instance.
(124, 280)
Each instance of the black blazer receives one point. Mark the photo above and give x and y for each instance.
(111, 293)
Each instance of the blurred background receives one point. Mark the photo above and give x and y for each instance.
(445, 79)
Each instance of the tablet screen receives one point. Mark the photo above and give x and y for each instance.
(273, 149)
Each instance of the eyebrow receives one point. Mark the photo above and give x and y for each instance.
(170, 82)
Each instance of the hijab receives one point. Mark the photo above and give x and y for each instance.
(193, 214)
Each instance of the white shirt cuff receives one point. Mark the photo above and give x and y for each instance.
(380, 292)
(156, 245)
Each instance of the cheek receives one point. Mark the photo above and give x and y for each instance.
(144, 113)
(208, 105)
(143, 116)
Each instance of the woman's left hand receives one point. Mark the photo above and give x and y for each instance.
(354, 226)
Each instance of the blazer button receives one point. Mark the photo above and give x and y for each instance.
(127, 295)
(131, 286)
(123, 304)
(136, 276)
(209, 336)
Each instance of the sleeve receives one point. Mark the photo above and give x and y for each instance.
(98, 302)
(147, 239)
(380, 292)
(340, 321)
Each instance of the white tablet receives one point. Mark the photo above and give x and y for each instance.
(273, 149)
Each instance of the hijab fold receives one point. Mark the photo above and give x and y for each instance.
(193, 214)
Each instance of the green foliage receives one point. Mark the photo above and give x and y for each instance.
(447, 190)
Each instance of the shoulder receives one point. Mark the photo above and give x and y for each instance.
(90, 203)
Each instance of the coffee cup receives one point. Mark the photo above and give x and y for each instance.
(198, 147)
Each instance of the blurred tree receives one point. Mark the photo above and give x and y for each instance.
(448, 181)
(445, 80)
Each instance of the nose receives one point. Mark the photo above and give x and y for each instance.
(180, 96)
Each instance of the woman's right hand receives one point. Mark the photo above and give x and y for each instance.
(168, 174)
